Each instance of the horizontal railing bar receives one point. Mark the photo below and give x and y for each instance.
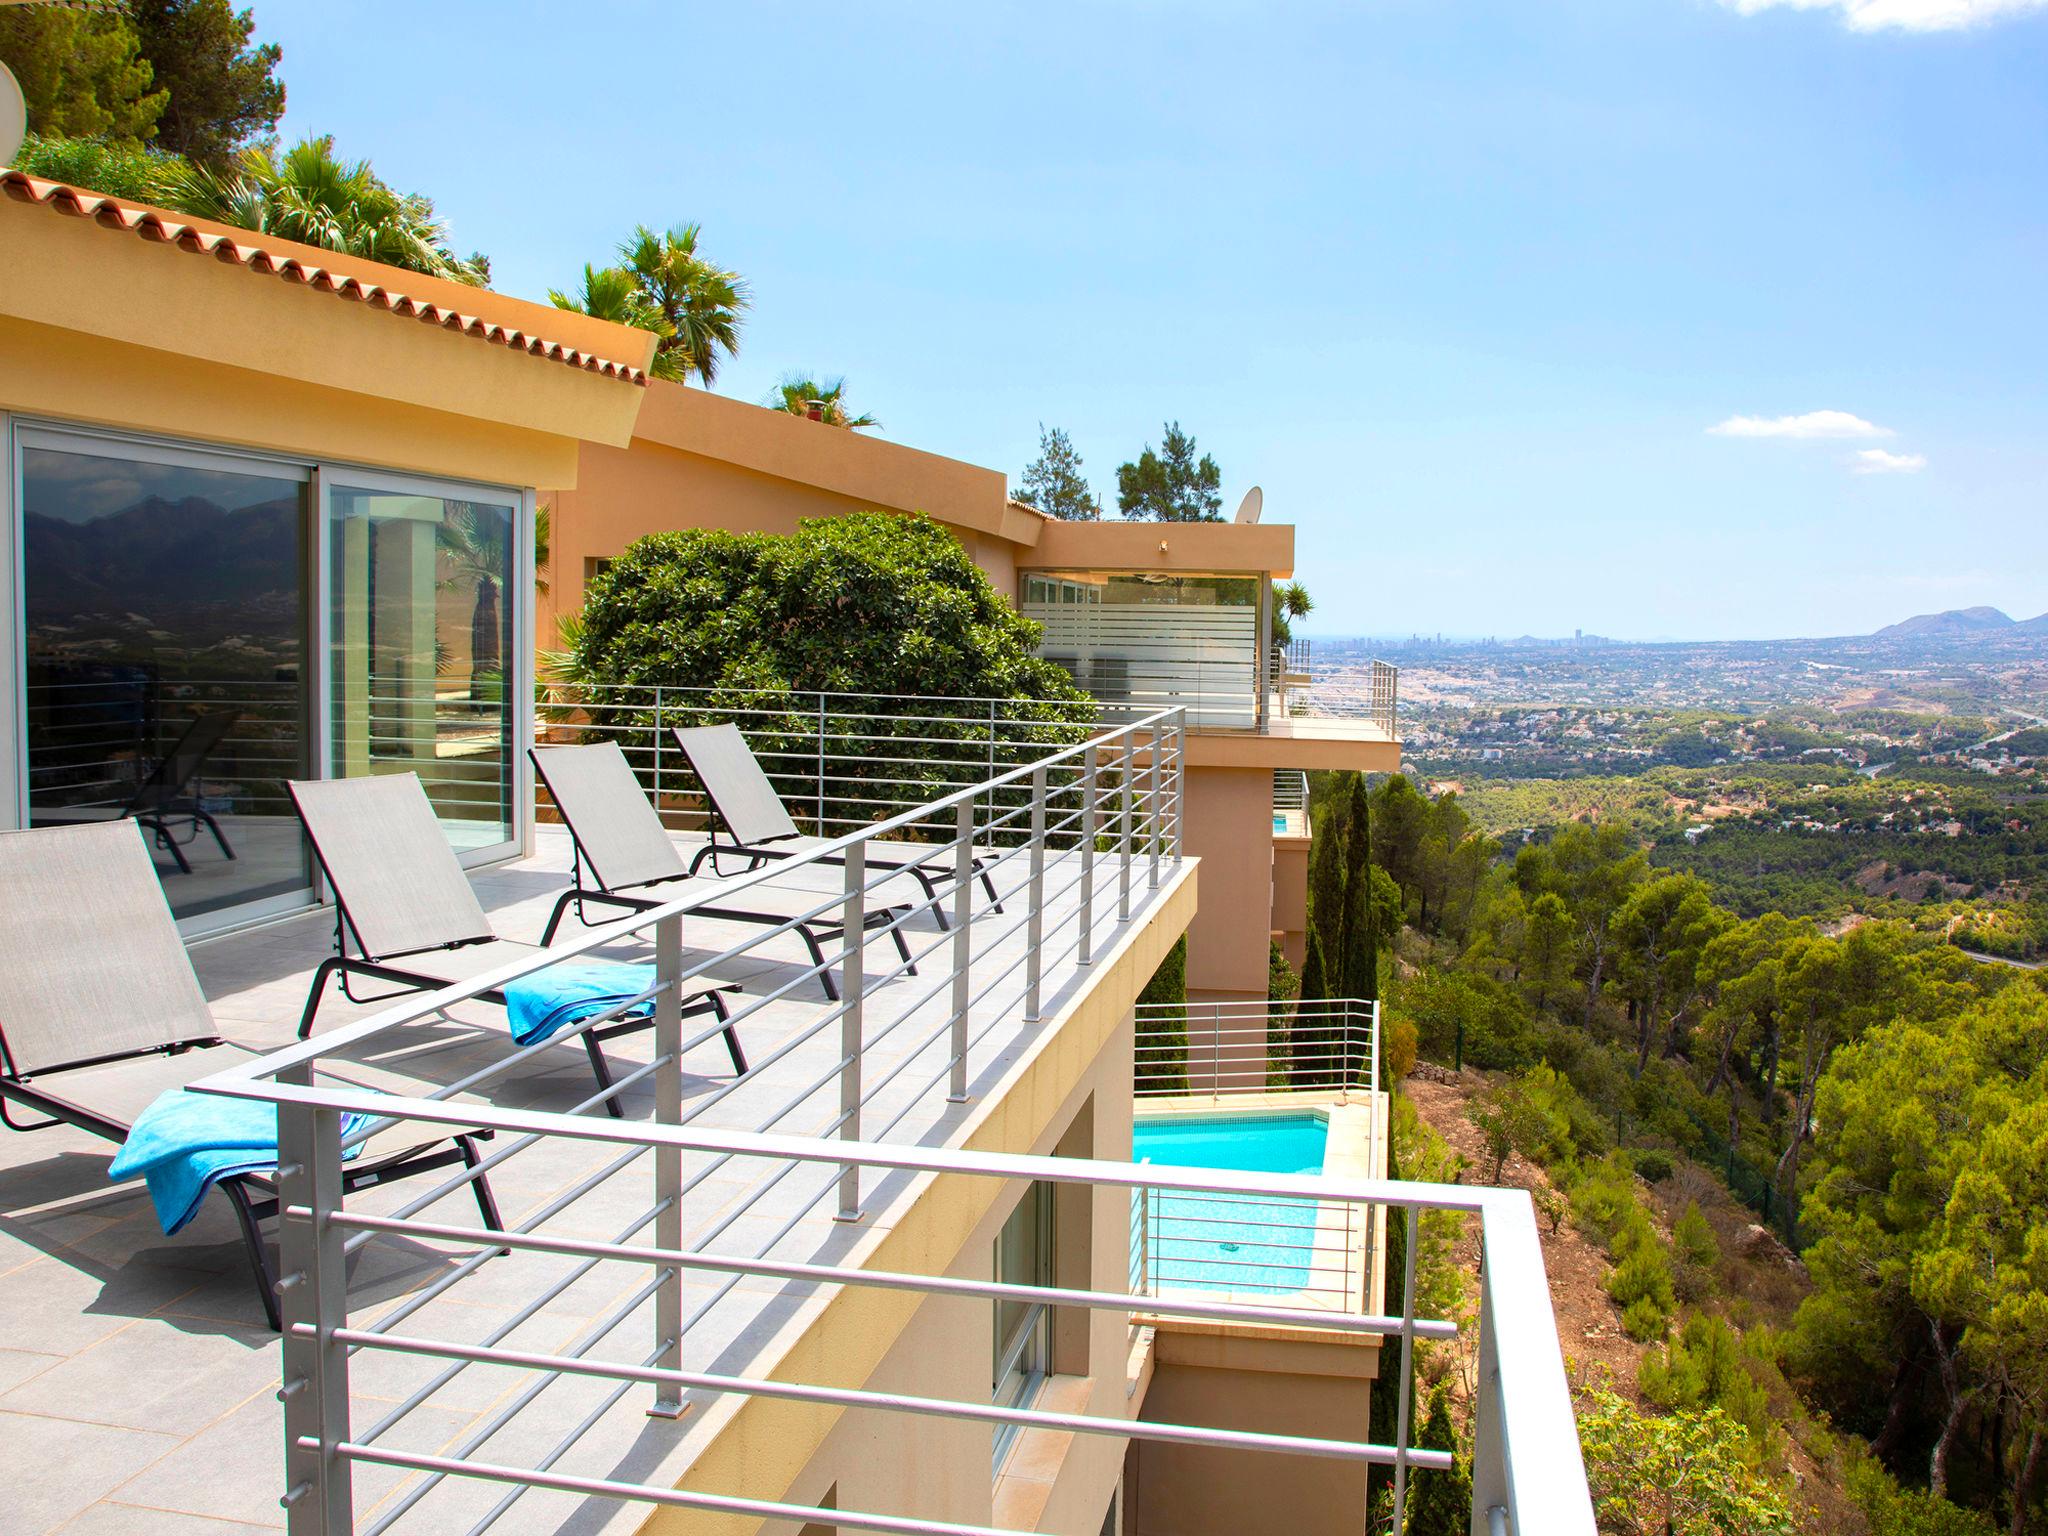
(238, 1082)
(895, 1402)
(839, 1274)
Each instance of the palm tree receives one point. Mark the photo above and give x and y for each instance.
(1290, 602)
(614, 294)
(311, 196)
(699, 303)
(818, 399)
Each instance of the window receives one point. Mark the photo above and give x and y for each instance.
(595, 566)
(1023, 1330)
(164, 629)
(423, 636)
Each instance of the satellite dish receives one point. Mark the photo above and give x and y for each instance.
(1254, 502)
(13, 116)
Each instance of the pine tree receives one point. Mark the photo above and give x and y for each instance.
(1053, 482)
(1170, 486)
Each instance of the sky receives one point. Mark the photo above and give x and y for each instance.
(1653, 318)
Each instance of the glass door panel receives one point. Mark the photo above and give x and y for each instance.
(164, 636)
(421, 642)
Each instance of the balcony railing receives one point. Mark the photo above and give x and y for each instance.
(1220, 1049)
(741, 1200)
(1346, 692)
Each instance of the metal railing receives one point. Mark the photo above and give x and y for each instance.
(839, 1121)
(1290, 803)
(1215, 1050)
(840, 761)
(1347, 691)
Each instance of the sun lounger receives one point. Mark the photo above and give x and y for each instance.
(404, 910)
(756, 822)
(623, 852)
(101, 1015)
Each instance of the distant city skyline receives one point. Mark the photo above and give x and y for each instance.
(1647, 317)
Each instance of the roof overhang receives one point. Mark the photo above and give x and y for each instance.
(1191, 547)
(169, 288)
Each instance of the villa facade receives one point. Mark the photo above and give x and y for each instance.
(269, 517)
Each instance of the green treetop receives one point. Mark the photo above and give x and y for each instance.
(1172, 485)
(1053, 482)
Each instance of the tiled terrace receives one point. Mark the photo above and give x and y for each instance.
(137, 1379)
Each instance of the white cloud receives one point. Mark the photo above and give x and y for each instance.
(1875, 461)
(1900, 15)
(1812, 424)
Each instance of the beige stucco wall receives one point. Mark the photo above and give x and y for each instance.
(1290, 896)
(1230, 828)
(941, 1470)
(763, 1448)
(1276, 1386)
(699, 460)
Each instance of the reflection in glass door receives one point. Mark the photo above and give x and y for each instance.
(421, 645)
(164, 644)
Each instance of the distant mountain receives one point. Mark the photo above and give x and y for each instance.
(2035, 626)
(1953, 624)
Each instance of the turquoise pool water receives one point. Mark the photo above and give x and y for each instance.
(1210, 1243)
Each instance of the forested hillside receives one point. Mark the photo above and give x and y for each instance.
(1876, 1096)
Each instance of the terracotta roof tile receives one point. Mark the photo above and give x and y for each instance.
(113, 213)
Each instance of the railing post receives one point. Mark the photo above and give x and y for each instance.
(1034, 917)
(1144, 1240)
(963, 945)
(668, 1161)
(1407, 1384)
(1155, 801)
(1123, 871)
(1180, 784)
(1091, 793)
(1489, 1435)
(852, 983)
(319, 1498)
(821, 766)
(658, 752)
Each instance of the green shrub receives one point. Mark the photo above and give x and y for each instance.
(1603, 1197)
(1683, 1474)
(1695, 1253)
(1653, 1166)
(1891, 1510)
(1710, 1365)
(119, 170)
(1643, 1320)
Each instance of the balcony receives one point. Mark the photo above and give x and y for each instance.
(726, 1268)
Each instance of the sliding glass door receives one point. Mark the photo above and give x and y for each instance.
(163, 643)
(422, 646)
(193, 627)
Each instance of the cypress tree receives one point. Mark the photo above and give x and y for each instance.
(1439, 1503)
(1304, 1042)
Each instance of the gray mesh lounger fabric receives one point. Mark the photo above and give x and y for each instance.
(66, 993)
(390, 863)
(401, 891)
(96, 989)
(743, 798)
(621, 842)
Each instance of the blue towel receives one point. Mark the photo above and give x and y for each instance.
(185, 1143)
(561, 995)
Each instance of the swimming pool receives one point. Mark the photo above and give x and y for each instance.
(1213, 1243)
